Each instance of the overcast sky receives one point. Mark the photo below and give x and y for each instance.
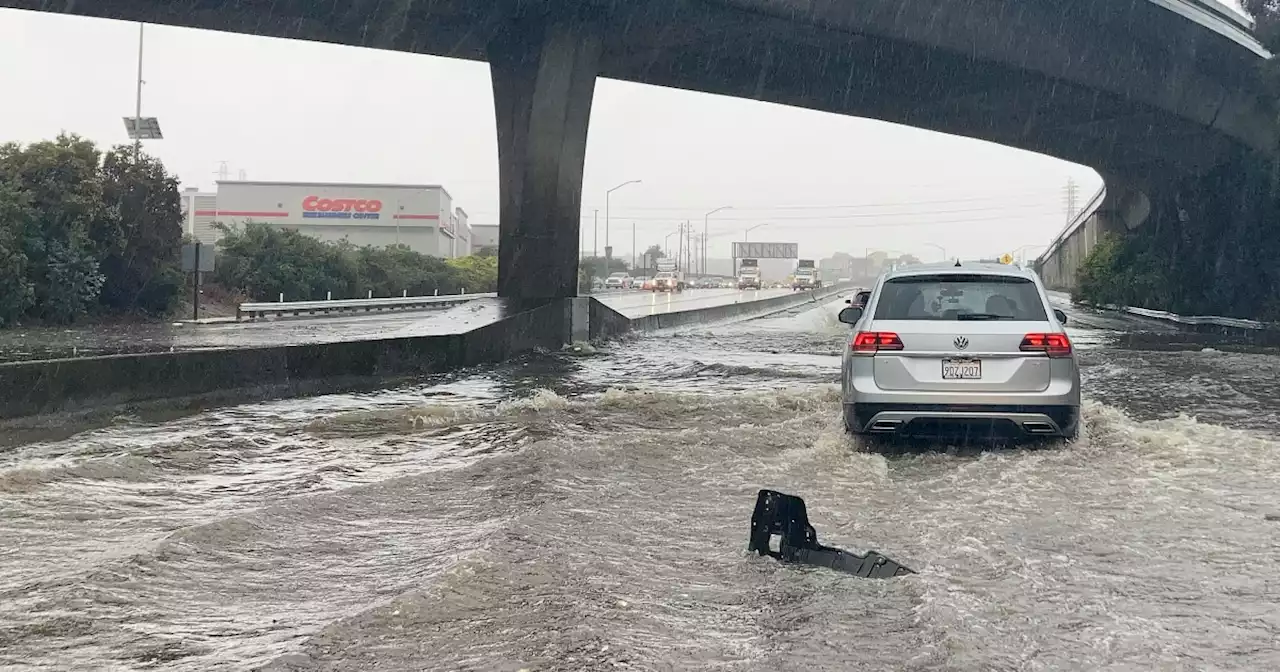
(287, 110)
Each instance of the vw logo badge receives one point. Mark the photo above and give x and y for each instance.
(961, 342)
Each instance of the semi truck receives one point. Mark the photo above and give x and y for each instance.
(806, 276)
(748, 274)
(669, 277)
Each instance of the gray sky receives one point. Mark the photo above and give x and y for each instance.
(286, 110)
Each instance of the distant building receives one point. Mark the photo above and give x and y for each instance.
(198, 210)
(421, 217)
(484, 235)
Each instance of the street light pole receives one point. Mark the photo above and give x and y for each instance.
(705, 219)
(608, 253)
(746, 234)
(137, 113)
(1023, 251)
(940, 248)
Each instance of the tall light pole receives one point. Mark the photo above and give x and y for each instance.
(137, 110)
(940, 248)
(745, 238)
(140, 129)
(705, 218)
(608, 251)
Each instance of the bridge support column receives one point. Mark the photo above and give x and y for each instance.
(544, 75)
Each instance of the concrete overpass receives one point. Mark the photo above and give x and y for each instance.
(1145, 91)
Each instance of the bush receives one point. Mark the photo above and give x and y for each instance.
(80, 234)
(261, 262)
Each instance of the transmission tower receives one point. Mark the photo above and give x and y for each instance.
(1069, 198)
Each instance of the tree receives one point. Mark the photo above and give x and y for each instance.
(594, 267)
(62, 188)
(17, 293)
(140, 241)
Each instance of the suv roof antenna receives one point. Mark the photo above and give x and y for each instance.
(957, 262)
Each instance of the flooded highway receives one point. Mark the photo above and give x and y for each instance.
(589, 512)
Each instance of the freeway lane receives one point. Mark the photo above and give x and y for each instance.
(641, 303)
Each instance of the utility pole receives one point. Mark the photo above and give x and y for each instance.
(137, 113)
(633, 247)
(688, 236)
(680, 245)
(595, 237)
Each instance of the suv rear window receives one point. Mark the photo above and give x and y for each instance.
(955, 296)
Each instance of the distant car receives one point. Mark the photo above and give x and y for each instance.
(618, 281)
(949, 351)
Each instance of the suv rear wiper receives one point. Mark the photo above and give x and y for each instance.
(785, 515)
(982, 316)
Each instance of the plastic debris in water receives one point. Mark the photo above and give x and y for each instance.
(784, 515)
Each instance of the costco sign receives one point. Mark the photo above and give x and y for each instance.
(315, 207)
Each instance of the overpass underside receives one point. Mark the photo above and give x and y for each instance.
(1130, 89)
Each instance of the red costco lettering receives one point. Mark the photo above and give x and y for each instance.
(317, 204)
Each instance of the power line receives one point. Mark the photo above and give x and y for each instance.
(1004, 196)
(1051, 212)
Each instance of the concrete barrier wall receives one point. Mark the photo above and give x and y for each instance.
(31, 388)
(744, 310)
(237, 375)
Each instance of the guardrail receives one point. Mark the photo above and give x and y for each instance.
(253, 311)
(1199, 320)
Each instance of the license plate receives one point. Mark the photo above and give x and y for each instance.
(961, 369)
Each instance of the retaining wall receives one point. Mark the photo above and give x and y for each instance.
(240, 374)
(38, 387)
(731, 311)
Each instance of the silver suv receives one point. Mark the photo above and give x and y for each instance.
(959, 351)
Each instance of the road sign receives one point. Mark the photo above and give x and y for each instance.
(202, 261)
(1006, 258)
(766, 250)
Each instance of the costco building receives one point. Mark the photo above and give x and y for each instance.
(419, 216)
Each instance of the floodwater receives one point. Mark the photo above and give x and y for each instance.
(590, 513)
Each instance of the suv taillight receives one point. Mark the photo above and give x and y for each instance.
(1056, 345)
(875, 341)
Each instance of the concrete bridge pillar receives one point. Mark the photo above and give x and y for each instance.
(544, 74)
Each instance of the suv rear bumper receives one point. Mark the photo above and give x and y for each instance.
(956, 420)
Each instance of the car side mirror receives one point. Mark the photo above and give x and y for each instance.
(850, 315)
(1062, 317)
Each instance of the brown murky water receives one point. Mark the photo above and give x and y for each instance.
(590, 513)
